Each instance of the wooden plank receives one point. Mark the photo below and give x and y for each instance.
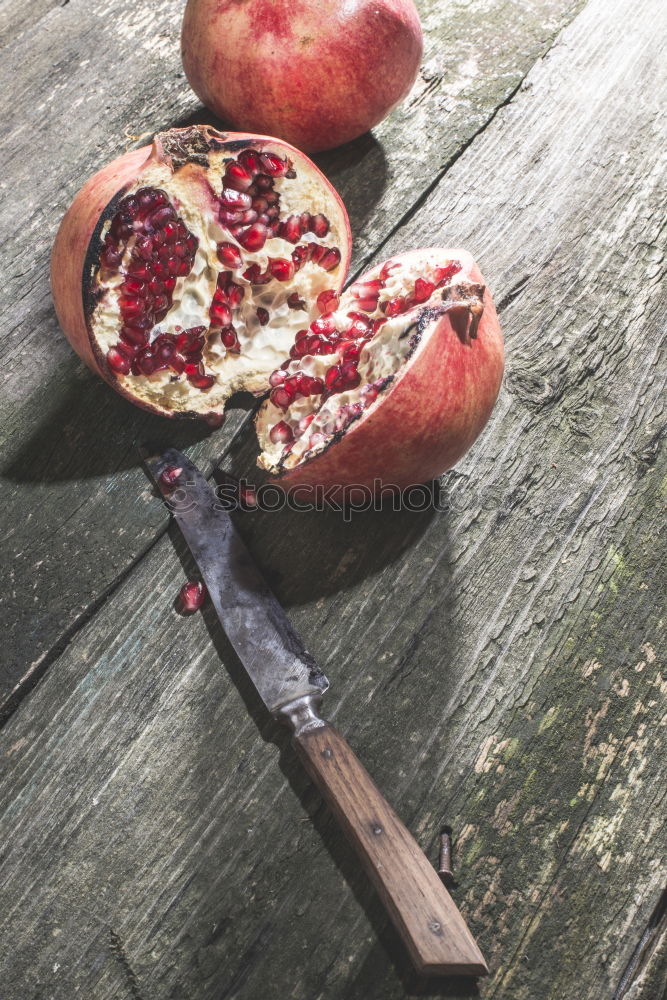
(497, 666)
(84, 80)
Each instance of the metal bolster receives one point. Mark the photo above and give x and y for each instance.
(301, 714)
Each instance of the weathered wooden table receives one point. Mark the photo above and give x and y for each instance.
(496, 665)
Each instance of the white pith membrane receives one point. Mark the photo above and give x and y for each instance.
(315, 420)
(262, 347)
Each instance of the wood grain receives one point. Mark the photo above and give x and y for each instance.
(498, 665)
(80, 83)
(432, 929)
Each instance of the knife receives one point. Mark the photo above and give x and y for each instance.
(291, 686)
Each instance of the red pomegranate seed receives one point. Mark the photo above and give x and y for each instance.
(349, 374)
(300, 255)
(319, 225)
(165, 351)
(263, 183)
(233, 200)
(135, 337)
(315, 252)
(201, 381)
(423, 290)
(235, 295)
(170, 476)
(256, 276)
(281, 397)
(281, 269)
(290, 229)
(331, 259)
(394, 307)
(331, 377)
(131, 307)
(294, 302)
(366, 289)
(276, 378)
(274, 165)
(249, 158)
(262, 316)
(237, 177)
(221, 314)
(170, 231)
(229, 338)
(192, 595)
(388, 269)
(327, 301)
(146, 362)
(443, 274)
(359, 327)
(111, 257)
(281, 433)
(229, 255)
(351, 352)
(325, 325)
(128, 351)
(118, 362)
(312, 344)
(254, 237)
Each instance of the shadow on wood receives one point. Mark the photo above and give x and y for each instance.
(389, 946)
(91, 431)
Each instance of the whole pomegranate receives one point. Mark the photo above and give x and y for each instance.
(182, 271)
(391, 384)
(316, 74)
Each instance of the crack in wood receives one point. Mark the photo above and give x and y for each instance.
(656, 926)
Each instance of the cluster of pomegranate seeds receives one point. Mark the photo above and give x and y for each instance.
(250, 211)
(249, 205)
(154, 248)
(150, 245)
(327, 258)
(226, 298)
(323, 337)
(296, 226)
(288, 387)
(282, 269)
(181, 352)
(192, 595)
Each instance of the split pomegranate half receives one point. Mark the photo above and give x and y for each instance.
(210, 263)
(182, 271)
(391, 384)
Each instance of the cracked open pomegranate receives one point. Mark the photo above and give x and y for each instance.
(391, 384)
(182, 271)
(316, 74)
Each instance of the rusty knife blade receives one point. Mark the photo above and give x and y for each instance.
(273, 654)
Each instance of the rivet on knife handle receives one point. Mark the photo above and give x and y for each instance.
(291, 685)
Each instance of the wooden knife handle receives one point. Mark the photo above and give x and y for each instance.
(422, 910)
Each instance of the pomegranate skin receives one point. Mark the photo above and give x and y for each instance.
(315, 74)
(69, 262)
(73, 262)
(436, 408)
